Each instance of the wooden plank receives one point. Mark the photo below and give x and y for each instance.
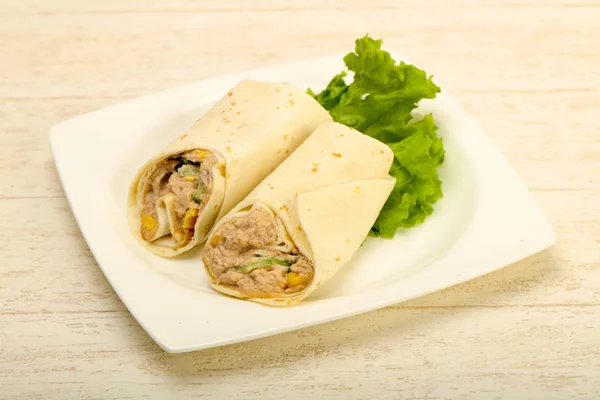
(110, 54)
(190, 6)
(394, 353)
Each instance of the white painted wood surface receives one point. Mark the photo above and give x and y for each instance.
(529, 72)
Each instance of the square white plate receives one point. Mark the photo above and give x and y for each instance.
(486, 220)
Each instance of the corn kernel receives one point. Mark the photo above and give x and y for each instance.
(295, 280)
(190, 178)
(215, 240)
(202, 154)
(148, 222)
(189, 221)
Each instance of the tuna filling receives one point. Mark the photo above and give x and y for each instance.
(248, 254)
(182, 184)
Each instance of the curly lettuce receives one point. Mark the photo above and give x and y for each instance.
(378, 103)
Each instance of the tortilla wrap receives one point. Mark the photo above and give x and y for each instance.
(304, 222)
(176, 197)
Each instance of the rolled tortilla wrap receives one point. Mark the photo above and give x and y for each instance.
(177, 196)
(304, 221)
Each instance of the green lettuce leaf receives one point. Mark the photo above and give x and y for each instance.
(379, 102)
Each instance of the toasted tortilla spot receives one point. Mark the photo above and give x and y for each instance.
(230, 94)
(291, 102)
(337, 259)
(338, 155)
(232, 103)
(285, 137)
(241, 126)
(284, 208)
(287, 151)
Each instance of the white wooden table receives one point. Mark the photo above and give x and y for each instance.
(528, 70)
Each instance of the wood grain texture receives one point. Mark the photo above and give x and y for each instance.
(527, 70)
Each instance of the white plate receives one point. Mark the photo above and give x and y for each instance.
(486, 220)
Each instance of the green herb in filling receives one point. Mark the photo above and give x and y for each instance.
(196, 196)
(188, 170)
(184, 161)
(265, 262)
